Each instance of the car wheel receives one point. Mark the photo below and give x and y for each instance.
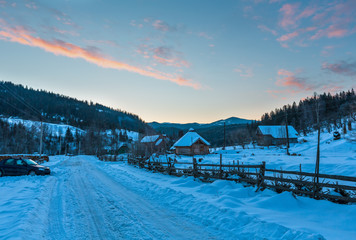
(32, 173)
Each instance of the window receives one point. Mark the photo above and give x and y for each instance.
(19, 162)
(10, 162)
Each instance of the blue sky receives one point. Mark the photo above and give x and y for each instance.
(181, 61)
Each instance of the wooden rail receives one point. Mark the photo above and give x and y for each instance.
(298, 182)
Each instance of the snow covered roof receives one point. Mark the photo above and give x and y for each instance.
(150, 139)
(189, 139)
(278, 131)
(159, 142)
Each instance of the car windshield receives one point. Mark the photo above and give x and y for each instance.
(30, 162)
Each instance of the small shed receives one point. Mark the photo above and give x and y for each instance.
(275, 135)
(191, 144)
(123, 148)
(155, 143)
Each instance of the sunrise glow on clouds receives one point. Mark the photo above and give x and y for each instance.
(279, 50)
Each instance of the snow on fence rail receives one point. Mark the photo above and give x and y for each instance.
(336, 188)
(111, 158)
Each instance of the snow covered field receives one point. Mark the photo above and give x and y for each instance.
(337, 156)
(85, 198)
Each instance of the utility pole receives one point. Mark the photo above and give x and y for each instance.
(285, 109)
(224, 135)
(60, 144)
(316, 177)
(41, 138)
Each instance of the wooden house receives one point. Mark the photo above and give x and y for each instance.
(154, 143)
(275, 135)
(191, 144)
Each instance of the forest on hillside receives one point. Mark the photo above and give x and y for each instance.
(332, 111)
(27, 103)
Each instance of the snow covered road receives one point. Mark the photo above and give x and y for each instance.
(88, 199)
(94, 206)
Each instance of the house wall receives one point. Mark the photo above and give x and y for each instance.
(197, 148)
(183, 151)
(268, 140)
(264, 140)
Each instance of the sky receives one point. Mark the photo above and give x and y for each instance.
(181, 61)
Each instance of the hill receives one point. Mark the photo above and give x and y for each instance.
(30, 104)
(186, 126)
(213, 132)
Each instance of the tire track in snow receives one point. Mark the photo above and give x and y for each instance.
(88, 204)
(154, 220)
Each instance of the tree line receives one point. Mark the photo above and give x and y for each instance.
(332, 110)
(27, 103)
(17, 138)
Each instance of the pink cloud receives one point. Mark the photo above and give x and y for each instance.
(288, 11)
(135, 24)
(58, 47)
(31, 5)
(332, 88)
(307, 12)
(102, 42)
(288, 36)
(205, 35)
(294, 34)
(290, 79)
(335, 32)
(275, 1)
(326, 50)
(163, 26)
(171, 61)
(284, 45)
(61, 31)
(163, 55)
(168, 57)
(244, 71)
(330, 32)
(341, 67)
(267, 29)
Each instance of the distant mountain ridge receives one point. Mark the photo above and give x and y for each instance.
(213, 132)
(185, 126)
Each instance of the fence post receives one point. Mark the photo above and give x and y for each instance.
(140, 163)
(261, 175)
(220, 172)
(169, 166)
(195, 168)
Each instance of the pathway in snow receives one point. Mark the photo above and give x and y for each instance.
(88, 204)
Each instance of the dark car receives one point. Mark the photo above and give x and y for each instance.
(16, 167)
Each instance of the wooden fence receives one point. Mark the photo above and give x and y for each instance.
(336, 188)
(111, 158)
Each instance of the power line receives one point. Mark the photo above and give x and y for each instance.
(17, 97)
(18, 109)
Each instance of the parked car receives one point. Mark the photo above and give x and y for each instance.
(17, 167)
